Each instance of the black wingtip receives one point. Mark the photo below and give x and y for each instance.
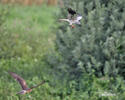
(71, 11)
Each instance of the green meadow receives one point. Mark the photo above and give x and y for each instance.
(26, 36)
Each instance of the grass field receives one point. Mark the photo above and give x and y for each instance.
(34, 23)
(27, 35)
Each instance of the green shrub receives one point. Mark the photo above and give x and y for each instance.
(90, 58)
(98, 46)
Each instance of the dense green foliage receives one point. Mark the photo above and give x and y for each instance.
(97, 48)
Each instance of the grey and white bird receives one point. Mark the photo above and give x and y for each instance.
(73, 20)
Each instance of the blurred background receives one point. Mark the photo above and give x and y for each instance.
(30, 2)
(84, 63)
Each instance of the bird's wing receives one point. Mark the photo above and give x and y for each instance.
(21, 81)
(78, 22)
(79, 18)
(70, 11)
(37, 85)
(67, 20)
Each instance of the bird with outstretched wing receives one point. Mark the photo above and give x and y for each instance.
(73, 21)
(71, 18)
(23, 84)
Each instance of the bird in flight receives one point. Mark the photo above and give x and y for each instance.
(23, 84)
(72, 19)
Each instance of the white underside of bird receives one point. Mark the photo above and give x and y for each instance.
(73, 21)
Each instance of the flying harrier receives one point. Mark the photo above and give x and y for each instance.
(72, 19)
(23, 84)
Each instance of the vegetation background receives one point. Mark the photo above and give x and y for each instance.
(84, 63)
